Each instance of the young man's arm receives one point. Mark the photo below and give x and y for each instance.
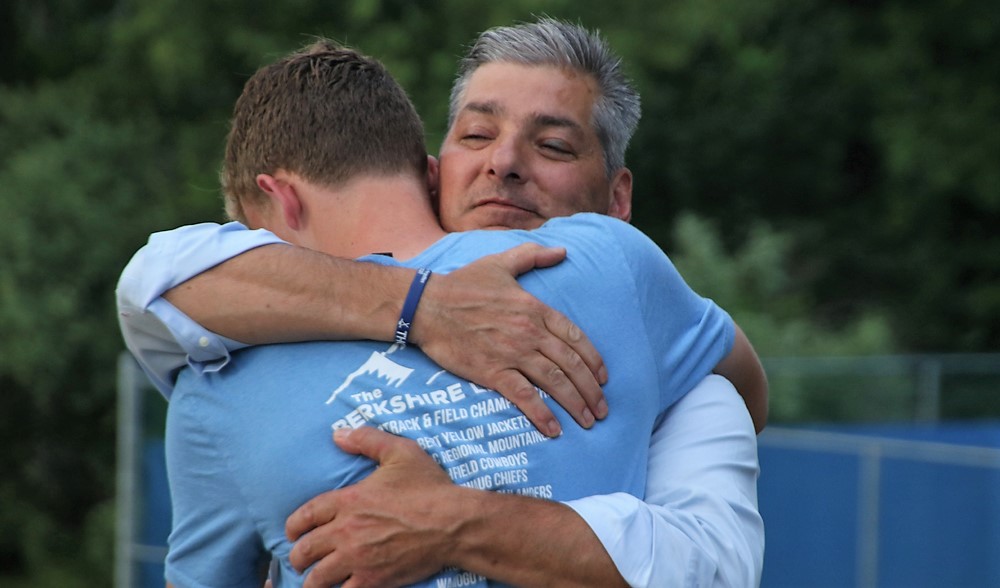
(476, 322)
(742, 367)
(704, 457)
(698, 526)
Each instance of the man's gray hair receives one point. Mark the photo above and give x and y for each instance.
(552, 42)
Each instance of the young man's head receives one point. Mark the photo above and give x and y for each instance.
(325, 113)
(540, 117)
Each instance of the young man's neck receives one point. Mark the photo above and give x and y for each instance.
(373, 215)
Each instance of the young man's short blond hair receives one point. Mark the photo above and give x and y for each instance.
(326, 113)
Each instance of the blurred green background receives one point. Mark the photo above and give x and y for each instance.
(828, 171)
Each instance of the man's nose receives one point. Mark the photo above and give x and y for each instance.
(507, 162)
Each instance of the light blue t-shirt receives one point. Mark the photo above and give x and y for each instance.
(248, 445)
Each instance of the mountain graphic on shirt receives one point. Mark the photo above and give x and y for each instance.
(382, 367)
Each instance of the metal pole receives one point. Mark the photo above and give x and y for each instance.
(129, 409)
(869, 489)
(929, 389)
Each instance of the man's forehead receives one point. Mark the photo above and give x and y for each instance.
(510, 76)
(547, 95)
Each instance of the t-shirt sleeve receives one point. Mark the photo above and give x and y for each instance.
(213, 541)
(687, 333)
(161, 337)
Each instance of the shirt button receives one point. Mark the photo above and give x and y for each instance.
(203, 342)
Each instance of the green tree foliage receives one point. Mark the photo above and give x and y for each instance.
(842, 154)
(859, 129)
(756, 285)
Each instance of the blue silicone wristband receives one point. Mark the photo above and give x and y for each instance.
(410, 305)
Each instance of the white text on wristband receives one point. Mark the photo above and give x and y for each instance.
(410, 305)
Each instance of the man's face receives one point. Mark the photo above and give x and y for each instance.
(523, 150)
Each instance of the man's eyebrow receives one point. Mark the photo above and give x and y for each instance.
(487, 107)
(551, 120)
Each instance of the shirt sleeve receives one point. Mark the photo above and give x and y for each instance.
(688, 334)
(161, 337)
(213, 540)
(699, 524)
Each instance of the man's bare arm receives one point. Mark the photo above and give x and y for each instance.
(476, 322)
(742, 367)
(410, 501)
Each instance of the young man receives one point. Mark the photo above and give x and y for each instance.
(514, 194)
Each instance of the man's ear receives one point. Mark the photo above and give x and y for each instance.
(285, 197)
(621, 195)
(433, 180)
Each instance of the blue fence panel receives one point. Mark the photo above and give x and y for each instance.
(909, 506)
(808, 544)
(155, 525)
(939, 525)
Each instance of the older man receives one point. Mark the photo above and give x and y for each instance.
(516, 154)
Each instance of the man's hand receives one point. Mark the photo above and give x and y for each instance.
(478, 323)
(407, 521)
(388, 530)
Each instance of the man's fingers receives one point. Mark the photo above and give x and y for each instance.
(561, 370)
(571, 385)
(318, 511)
(516, 388)
(528, 256)
(356, 581)
(346, 441)
(371, 443)
(317, 545)
(566, 331)
(569, 354)
(330, 571)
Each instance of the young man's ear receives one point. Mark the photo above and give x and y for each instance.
(620, 205)
(284, 197)
(433, 181)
